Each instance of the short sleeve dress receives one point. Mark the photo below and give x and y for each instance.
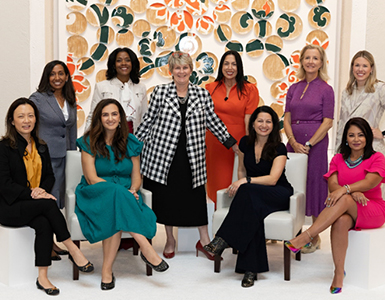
(373, 214)
(306, 117)
(243, 227)
(105, 208)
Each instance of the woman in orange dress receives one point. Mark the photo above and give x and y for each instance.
(234, 99)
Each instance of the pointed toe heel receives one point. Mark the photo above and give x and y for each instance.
(163, 266)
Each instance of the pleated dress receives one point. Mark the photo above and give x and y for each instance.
(105, 208)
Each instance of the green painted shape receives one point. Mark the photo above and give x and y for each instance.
(160, 40)
(146, 33)
(87, 64)
(102, 16)
(83, 2)
(123, 31)
(162, 61)
(104, 33)
(147, 68)
(262, 28)
(207, 62)
(221, 35)
(177, 48)
(243, 21)
(144, 47)
(261, 14)
(235, 46)
(194, 77)
(99, 52)
(122, 12)
(284, 59)
(272, 48)
(203, 79)
(108, 2)
(255, 45)
(291, 21)
(317, 17)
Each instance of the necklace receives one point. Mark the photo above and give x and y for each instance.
(182, 100)
(352, 164)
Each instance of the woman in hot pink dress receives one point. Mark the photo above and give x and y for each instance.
(354, 201)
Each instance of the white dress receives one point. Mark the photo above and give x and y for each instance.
(369, 106)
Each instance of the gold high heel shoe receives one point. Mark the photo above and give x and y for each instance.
(314, 246)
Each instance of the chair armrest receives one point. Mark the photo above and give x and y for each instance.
(297, 205)
(223, 199)
(147, 197)
(70, 203)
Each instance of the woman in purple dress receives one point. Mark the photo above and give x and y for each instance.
(308, 117)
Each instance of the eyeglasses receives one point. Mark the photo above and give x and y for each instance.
(179, 54)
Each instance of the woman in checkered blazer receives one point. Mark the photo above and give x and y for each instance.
(173, 158)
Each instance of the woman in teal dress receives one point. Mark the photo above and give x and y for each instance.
(108, 200)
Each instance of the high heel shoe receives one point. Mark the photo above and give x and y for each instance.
(61, 252)
(336, 290)
(296, 250)
(87, 268)
(108, 286)
(163, 266)
(248, 279)
(313, 247)
(169, 255)
(202, 249)
(55, 257)
(51, 291)
(216, 246)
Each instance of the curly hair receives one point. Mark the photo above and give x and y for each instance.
(135, 67)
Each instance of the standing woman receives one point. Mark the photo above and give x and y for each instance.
(262, 189)
(123, 85)
(364, 97)
(308, 117)
(26, 179)
(55, 99)
(234, 99)
(173, 158)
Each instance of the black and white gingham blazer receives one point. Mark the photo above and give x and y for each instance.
(161, 128)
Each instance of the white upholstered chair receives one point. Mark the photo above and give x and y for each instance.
(73, 175)
(281, 225)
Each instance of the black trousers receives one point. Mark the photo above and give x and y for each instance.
(45, 217)
(243, 227)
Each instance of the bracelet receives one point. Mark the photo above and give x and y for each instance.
(288, 139)
(347, 187)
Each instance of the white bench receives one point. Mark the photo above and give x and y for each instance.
(17, 256)
(365, 258)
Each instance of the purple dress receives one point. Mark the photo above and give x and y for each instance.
(306, 117)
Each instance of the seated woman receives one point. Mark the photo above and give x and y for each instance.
(108, 200)
(355, 176)
(26, 178)
(262, 189)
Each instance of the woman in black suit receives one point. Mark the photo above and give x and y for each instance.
(26, 178)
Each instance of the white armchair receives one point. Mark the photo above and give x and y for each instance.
(73, 174)
(281, 225)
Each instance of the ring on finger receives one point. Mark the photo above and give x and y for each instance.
(329, 199)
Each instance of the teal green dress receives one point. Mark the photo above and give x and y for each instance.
(105, 208)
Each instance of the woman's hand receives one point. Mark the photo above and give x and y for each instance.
(333, 197)
(299, 148)
(235, 148)
(37, 192)
(134, 193)
(377, 134)
(233, 188)
(360, 198)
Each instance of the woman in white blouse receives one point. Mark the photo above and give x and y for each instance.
(123, 85)
(364, 96)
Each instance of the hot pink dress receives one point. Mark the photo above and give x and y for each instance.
(372, 215)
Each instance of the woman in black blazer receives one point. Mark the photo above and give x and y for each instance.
(26, 178)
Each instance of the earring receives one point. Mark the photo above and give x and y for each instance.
(347, 144)
(119, 125)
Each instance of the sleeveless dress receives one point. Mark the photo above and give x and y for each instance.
(105, 208)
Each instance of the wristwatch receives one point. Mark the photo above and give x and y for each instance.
(248, 179)
(308, 144)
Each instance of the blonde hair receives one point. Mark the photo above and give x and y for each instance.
(179, 58)
(370, 81)
(322, 72)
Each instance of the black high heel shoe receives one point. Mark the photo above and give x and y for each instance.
(61, 252)
(108, 286)
(248, 279)
(163, 266)
(51, 291)
(87, 268)
(216, 246)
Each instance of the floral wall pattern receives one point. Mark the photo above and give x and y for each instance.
(268, 34)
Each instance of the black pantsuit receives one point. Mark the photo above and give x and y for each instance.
(17, 208)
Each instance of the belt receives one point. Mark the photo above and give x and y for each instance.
(306, 122)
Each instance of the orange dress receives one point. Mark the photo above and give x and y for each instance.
(219, 160)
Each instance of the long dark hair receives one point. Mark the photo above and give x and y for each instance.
(11, 132)
(68, 90)
(96, 133)
(111, 70)
(240, 79)
(269, 151)
(364, 126)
